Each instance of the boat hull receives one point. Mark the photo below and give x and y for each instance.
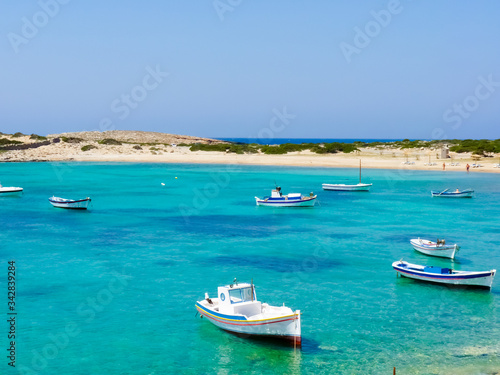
(80, 204)
(274, 202)
(10, 190)
(477, 279)
(343, 187)
(287, 328)
(462, 194)
(426, 247)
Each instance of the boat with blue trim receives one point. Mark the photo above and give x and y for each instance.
(467, 193)
(436, 249)
(78, 204)
(277, 199)
(237, 310)
(444, 275)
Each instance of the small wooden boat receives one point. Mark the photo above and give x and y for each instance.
(237, 310)
(436, 249)
(344, 187)
(7, 190)
(79, 204)
(444, 275)
(468, 193)
(277, 199)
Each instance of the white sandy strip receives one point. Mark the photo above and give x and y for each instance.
(371, 158)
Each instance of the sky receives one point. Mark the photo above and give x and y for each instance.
(255, 69)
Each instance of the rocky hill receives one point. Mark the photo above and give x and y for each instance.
(138, 137)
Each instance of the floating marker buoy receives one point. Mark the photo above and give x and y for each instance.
(162, 184)
(176, 178)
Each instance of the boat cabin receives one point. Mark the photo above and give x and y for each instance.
(276, 193)
(238, 299)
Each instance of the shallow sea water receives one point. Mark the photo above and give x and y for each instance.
(112, 290)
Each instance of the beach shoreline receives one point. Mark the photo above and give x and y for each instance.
(307, 161)
(137, 147)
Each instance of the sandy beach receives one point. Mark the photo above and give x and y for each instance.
(164, 148)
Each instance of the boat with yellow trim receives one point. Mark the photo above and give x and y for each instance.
(237, 310)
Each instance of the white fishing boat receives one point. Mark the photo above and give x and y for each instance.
(277, 199)
(468, 193)
(7, 190)
(236, 309)
(436, 249)
(444, 275)
(345, 187)
(78, 204)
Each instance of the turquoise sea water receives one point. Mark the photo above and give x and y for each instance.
(112, 290)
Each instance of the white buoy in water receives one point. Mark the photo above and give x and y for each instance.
(162, 184)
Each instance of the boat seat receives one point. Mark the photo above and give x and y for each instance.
(248, 308)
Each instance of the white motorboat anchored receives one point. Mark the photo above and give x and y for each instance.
(344, 187)
(444, 275)
(277, 199)
(237, 310)
(78, 204)
(436, 249)
(8, 190)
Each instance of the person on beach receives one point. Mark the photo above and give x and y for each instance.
(444, 166)
(467, 167)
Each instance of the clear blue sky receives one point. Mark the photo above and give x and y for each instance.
(417, 76)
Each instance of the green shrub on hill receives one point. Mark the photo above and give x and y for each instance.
(88, 147)
(71, 139)
(5, 141)
(38, 137)
(18, 134)
(109, 141)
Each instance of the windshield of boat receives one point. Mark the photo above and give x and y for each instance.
(240, 295)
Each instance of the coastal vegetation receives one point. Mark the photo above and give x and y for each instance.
(244, 148)
(38, 137)
(88, 147)
(6, 141)
(237, 148)
(482, 147)
(109, 141)
(71, 139)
